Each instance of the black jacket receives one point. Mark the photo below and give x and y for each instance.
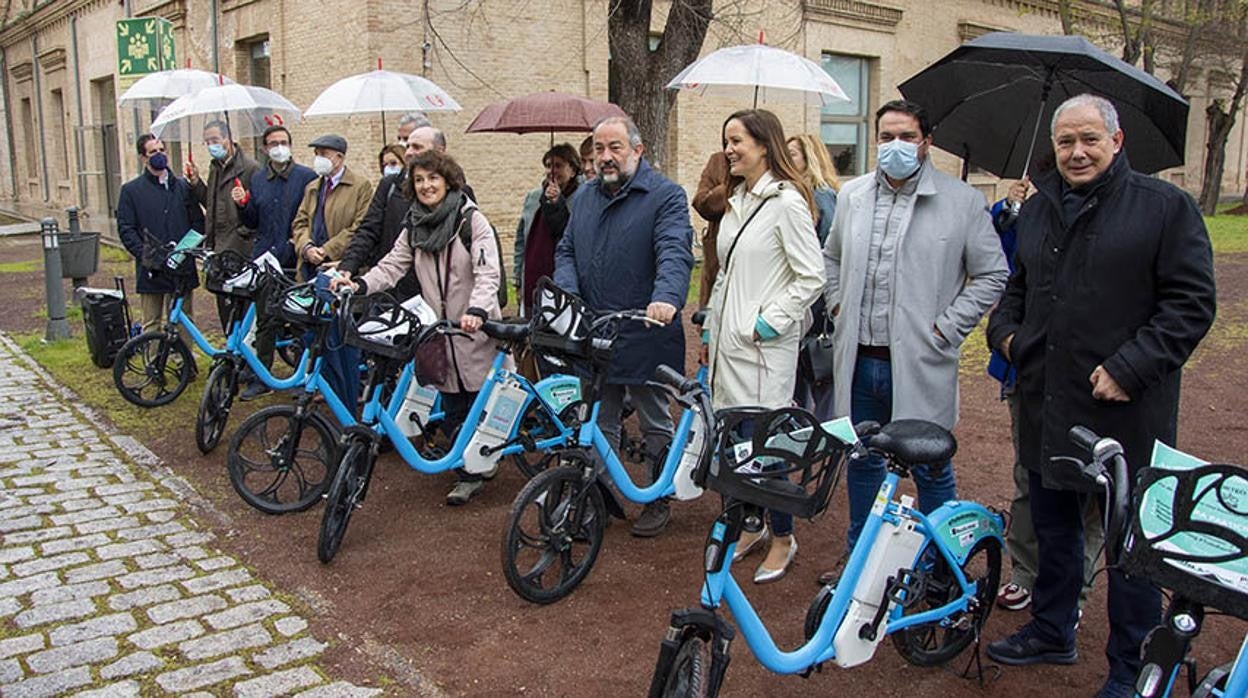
(165, 212)
(377, 232)
(1128, 285)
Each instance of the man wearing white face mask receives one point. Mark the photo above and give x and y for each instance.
(224, 228)
(912, 264)
(268, 203)
(333, 206)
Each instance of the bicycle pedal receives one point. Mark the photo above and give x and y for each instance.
(907, 587)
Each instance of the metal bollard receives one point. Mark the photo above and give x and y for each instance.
(58, 327)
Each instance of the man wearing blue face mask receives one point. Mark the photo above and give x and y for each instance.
(912, 264)
(225, 229)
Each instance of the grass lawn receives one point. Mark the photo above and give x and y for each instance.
(1229, 234)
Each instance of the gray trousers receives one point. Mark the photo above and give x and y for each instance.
(1021, 540)
(652, 411)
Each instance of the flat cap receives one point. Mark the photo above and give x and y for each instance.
(332, 141)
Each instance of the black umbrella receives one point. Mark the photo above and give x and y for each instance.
(990, 98)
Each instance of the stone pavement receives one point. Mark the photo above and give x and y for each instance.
(107, 585)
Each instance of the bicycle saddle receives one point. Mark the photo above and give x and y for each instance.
(505, 331)
(915, 442)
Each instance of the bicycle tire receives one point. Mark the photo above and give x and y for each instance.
(689, 675)
(545, 530)
(158, 360)
(340, 502)
(265, 477)
(214, 406)
(930, 644)
(537, 425)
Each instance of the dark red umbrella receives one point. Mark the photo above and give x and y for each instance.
(543, 112)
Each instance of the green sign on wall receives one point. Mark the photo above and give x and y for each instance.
(144, 45)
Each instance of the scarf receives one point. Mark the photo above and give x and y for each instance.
(431, 230)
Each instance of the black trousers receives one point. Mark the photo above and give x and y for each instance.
(1134, 604)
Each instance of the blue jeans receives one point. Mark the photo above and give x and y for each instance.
(872, 399)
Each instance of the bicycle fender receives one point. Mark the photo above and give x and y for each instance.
(960, 525)
(559, 391)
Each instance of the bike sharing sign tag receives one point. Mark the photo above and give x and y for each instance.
(1220, 501)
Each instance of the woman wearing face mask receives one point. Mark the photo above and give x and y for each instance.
(390, 160)
(450, 245)
(770, 272)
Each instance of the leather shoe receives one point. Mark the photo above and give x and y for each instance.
(762, 575)
(1025, 647)
(654, 518)
(743, 551)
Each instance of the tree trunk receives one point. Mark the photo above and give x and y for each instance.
(1221, 122)
(1067, 15)
(638, 75)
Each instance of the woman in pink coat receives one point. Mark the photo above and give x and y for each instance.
(451, 246)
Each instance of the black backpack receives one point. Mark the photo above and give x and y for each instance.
(465, 237)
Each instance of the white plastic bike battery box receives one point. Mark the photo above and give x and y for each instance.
(502, 411)
(418, 401)
(895, 548)
(689, 458)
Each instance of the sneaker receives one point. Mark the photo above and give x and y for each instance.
(1013, 597)
(1025, 647)
(463, 491)
(1114, 688)
(654, 518)
(254, 390)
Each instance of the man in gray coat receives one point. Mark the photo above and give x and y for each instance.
(912, 264)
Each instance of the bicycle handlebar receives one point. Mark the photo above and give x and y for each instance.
(674, 379)
(1083, 437)
(1108, 467)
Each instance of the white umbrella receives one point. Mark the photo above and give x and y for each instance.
(768, 72)
(248, 110)
(381, 91)
(154, 90)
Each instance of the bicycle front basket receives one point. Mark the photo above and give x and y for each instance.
(781, 460)
(228, 273)
(561, 322)
(301, 306)
(383, 327)
(1189, 533)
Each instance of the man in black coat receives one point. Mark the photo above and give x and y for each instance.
(1113, 290)
(161, 204)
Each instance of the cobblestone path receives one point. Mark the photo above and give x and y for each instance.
(107, 585)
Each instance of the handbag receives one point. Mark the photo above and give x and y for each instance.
(814, 359)
(432, 366)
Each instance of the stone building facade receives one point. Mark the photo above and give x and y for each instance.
(65, 142)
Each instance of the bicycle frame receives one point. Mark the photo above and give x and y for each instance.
(720, 586)
(177, 318)
(383, 421)
(665, 484)
(1237, 682)
(236, 345)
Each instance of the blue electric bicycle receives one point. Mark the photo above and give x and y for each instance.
(555, 529)
(1187, 531)
(926, 580)
(228, 273)
(511, 417)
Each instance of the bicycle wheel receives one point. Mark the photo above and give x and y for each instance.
(280, 464)
(344, 495)
(553, 535)
(214, 406)
(937, 642)
(537, 425)
(689, 676)
(153, 368)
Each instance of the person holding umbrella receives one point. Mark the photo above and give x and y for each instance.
(543, 217)
(226, 229)
(1113, 291)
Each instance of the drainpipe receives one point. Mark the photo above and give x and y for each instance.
(43, 150)
(81, 154)
(216, 63)
(134, 111)
(8, 122)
